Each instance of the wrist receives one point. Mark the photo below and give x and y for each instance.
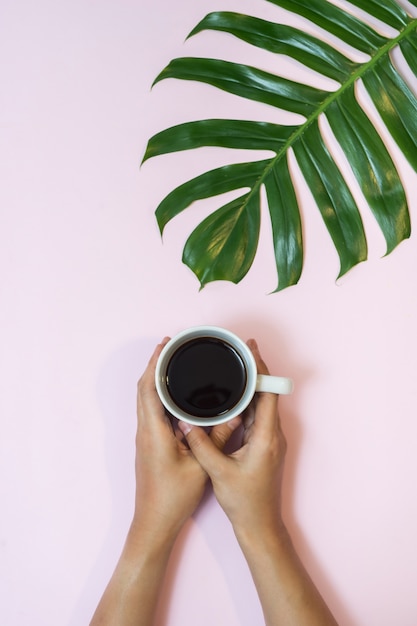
(151, 534)
(262, 535)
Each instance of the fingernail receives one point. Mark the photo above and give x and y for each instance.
(184, 427)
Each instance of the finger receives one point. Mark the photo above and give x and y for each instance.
(266, 404)
(148, 402)
(204, 449)
(148, 376)
(221, 433)
(260, 363)
(248, 419)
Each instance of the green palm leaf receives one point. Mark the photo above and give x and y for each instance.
(223, 246)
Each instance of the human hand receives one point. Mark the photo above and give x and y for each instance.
(169, 480)
(169, 486)
(247, 483)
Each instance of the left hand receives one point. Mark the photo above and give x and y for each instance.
(169, 481)
(247, 483)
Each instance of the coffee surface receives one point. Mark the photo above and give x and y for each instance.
(206, 377)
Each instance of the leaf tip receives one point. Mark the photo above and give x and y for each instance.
(144, 158)
(161, 226)
(191, 34)
(283, 285)
(392, 245)
(197, 29)
(158, 78)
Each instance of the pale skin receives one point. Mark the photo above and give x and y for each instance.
(247, 485)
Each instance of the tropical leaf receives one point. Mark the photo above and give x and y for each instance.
(224, 245)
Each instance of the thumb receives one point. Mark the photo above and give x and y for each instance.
(203, 448)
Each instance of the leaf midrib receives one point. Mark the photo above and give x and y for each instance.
(359, 73)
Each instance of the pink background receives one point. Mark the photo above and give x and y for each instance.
(87, 289)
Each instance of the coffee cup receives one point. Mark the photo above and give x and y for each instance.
(207, 375)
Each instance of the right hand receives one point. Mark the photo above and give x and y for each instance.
(169, 480)
(247, 483)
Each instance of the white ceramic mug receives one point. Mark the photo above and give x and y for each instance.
(221, 341)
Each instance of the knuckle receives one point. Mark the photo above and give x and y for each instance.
(220, 439)
(283, 442)
(143, 386)
(194, 439)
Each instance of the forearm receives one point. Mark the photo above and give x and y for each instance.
(131, 596)
(286, 592)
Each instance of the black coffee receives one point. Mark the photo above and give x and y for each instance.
(206, 377)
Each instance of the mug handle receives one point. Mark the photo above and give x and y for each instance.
(274, 384)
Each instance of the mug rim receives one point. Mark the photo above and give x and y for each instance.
(195, 332)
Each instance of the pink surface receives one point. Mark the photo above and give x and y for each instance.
(87, 289)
